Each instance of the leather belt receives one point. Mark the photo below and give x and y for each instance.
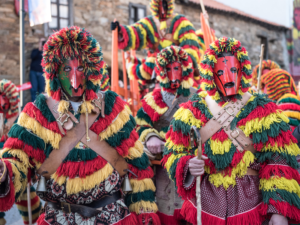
(88, 210)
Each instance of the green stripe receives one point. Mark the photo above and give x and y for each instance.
(142, 129)
(110, 99)
(25, 213)
(141, 163)
(141, 114)
(150, 35)
(289, 100)
(83, 154)
(263, 157)
(55, 84)
(140, 37)
(293, 122)
(22, 134)
(41, 104)
(116, 139)
(91, 86)
(177, 17)
(183, 91)
(179, 126)
(140, 196)
(185, 29)
(129, 44)
(281, 196)
(153, 23)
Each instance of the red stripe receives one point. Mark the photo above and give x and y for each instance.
(177, 138)
(142, 174)
(196, 112)
(123, 148)
(81, 169)
(124, 43)
(103, 123)
(157, 96)
(15, 143)
(154, 116)
(289, 106)
(267, 171)
(177, 23)
(25, 202)
(32, 111)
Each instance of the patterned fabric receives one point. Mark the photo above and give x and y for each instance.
(36, 134)
(266, 64)
(290, 105)
(278, 82)
(9, 90)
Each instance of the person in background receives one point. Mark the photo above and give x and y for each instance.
(36, 71)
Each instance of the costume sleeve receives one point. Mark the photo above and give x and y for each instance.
(105, 85)
(30, 140)
(184, 31)
(276, 151)
(118, 129)
(10, 91)
(141, 70)
(139, 35)
(178, 150)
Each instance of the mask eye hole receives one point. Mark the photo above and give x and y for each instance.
(80, 68)
(233, 70)
(67, 69)
(168, 69)
(176, 68)
(220, 72)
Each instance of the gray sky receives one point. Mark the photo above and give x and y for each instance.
(277, 11)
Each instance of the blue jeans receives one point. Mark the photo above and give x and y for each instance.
(38, 83)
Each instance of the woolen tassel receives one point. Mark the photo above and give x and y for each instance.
(89, 107)
(148, 218)
(41, 220)
(129, 219)
(7, 202)
(208, 219)
(189, 212)
(252, 215)
(63, 106)
(167, 219)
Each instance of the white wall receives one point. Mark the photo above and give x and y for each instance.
(277, 11)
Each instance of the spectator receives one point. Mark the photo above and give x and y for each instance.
(36, 71)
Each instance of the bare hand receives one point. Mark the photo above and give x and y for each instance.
(196, 166)
(155, 145)
(40, 44)
(278, 219)
(2, 167)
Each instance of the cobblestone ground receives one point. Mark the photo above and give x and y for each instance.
(13, 217)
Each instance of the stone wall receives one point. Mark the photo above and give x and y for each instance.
(96, 17)
(9, 44)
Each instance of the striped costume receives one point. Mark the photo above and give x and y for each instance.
(145, 34)
(228, 195)
(83, 176)
(148, 119)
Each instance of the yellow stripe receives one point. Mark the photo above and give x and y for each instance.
(239, 171)
(141, 122)
(116, 125)
(291, 149)
(187, 83)
(25, 208)
(24, 196)
(150, 101)
(194, 53)
(260, 124)
(165, 43)
(186, 116)
(163, 80)
(144, 207)
(47, 135)
(144, 34)
(133, 37)
(150, 27)
(171, 160)
(146, 132)
(219, 147)
(292, 114)
(136, 151)
(18, 181)
(177, 148)
(290, 96)
(282, 183)
(142, 185)
(22, 156)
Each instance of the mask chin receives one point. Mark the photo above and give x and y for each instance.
(175, 84)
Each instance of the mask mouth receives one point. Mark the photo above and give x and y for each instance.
(229, 85)
(76, 89)
(175, 84)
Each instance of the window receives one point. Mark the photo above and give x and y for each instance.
(60, 13)
(136, 12)
(264, 40)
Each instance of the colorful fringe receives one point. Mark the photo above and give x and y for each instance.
(77, 43)
(175, 54)
(82, 169)
(276, 148)
(9, 90)
(154, 7)
(210, 58)
(278, 82)
(144, 34)
(290, 105)
(36, 206)
(266, 64)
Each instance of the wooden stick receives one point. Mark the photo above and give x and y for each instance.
(260, 68)
(203, 11)
(29, 204)
(198, 189)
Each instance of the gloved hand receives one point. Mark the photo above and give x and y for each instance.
(114, 25)
(155, 145)
(196, 166)
(278, 219)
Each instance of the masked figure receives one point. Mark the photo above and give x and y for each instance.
(279, 85)
(267, 65)
(175, 75)
(160, 30)
(80, 142)
(9, 111)
(248, 165)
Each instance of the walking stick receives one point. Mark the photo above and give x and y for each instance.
(260, 68)
(196, 133)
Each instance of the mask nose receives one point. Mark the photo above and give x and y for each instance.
(175, 84)
(75, 79)
(227, 78)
